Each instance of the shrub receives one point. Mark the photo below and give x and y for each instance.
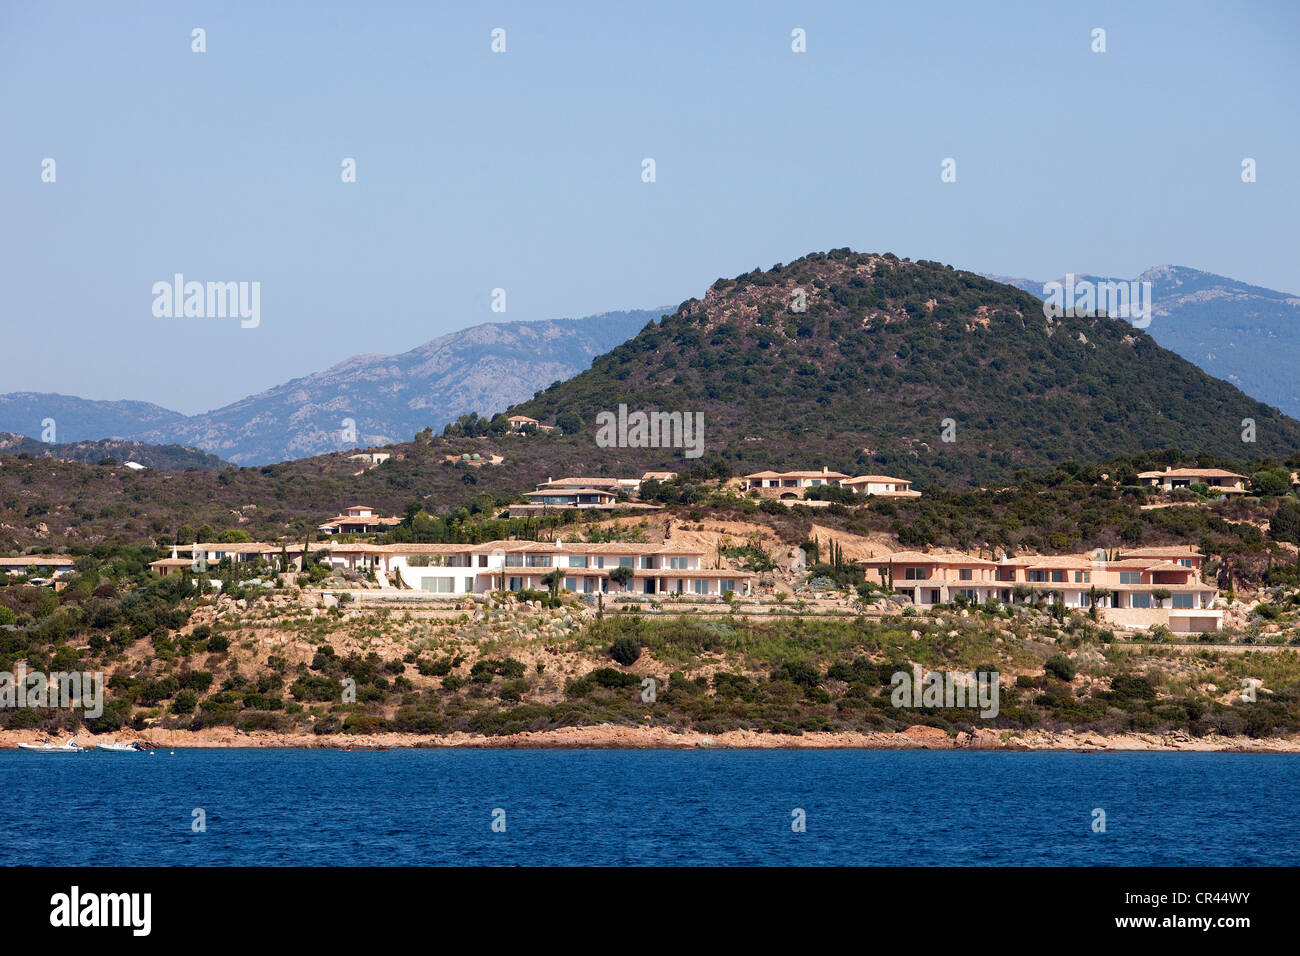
(1060, 667)
(1132, 686)
(625, 650)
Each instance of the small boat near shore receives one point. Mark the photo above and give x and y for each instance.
(50, 747)
(115, 747)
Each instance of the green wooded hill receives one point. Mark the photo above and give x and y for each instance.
(886, 350)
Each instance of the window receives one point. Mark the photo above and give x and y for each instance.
(1036, 575)
(516, 584)
(700, 585)
(469, 585)
(1130, 577)
(1185, 562)
(1058, 577)
(726, 584)
(966, 574)
(1141, 600)
(438, 585)
(647, 561)
(970, 593)
(577, 560)
(538, 561)
(571, 584)
(482, 560)
(627, 562)
(514, 560)
(1184, 602)
(915, 574)
(677, 564)
(1082, 577)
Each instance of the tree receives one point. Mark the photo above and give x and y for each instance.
(621, 576)
(552, 580)
(1272, 481)
(1161, 595)
(1285, 525)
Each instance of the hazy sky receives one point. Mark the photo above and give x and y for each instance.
(523, 170)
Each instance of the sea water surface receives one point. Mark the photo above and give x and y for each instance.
(647, 807)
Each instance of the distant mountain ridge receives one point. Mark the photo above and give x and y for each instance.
(1244, 334)
(363, 401)
(160, 457)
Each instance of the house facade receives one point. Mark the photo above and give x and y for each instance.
(1139, 588)
(1219, 481)
(358, 519)
(569, 493)
(789, 484)
(456, 570)
(51, 565)
(881, 485)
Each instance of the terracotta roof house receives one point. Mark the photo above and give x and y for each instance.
(571, 493)
(1223, 482)
(790, 484)
(1124, 589)
(52, 564)
(519, 422)
(358, 519)
(881, 485)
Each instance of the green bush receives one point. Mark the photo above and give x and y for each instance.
(1060, 667)
(625, 650)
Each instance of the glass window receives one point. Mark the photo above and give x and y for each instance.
(1141, 600)
(1183, 601)
(577, 560)
(571, 584)
(439, 585)
(627, 562)
(1130, 577)
(538, 561)
(701, 585)
(966, 574)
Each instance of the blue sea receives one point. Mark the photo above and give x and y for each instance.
(620, 807)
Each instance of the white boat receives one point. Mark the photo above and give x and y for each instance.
(70, 747)
(115, 747)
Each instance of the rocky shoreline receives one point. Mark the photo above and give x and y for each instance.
(634, 738)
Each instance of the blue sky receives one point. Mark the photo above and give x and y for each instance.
(522, 170)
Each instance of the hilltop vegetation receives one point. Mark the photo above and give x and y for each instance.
(113, 451)
(886, 351)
